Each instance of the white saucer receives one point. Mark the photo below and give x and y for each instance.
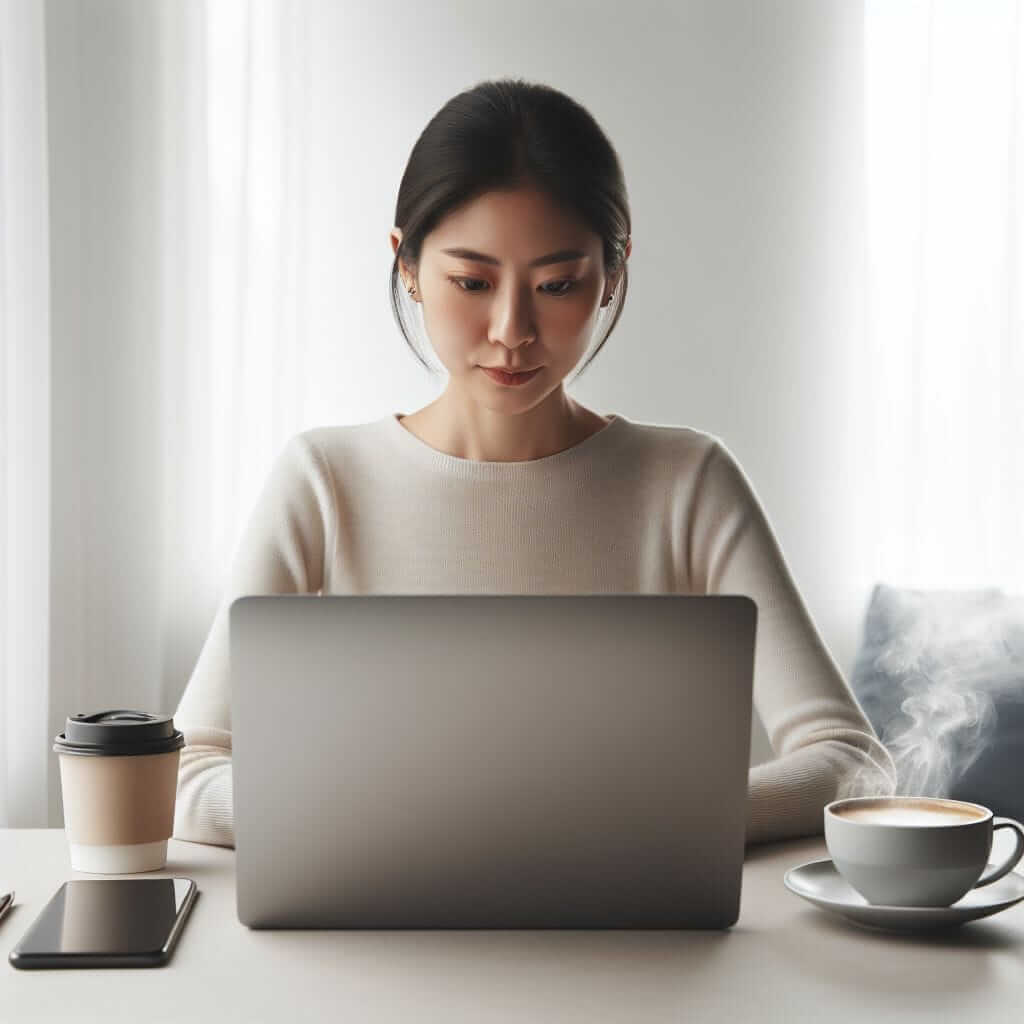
(819, 882)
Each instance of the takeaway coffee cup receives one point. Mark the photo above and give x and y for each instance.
(905, 851)
(119, 780)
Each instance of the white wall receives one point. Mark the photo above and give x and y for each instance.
(738, 125)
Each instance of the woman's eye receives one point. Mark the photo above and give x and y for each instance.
(460, 281)
(569, 285)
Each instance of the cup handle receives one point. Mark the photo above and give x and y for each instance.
(1011, 861)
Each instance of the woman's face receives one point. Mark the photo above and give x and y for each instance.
(510, 311)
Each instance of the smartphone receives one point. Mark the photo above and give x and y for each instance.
(108, 922)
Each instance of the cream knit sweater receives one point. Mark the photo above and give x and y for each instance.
(634, 508)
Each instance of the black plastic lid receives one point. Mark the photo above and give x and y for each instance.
(119, 732)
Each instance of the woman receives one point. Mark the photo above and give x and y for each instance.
(512, 238)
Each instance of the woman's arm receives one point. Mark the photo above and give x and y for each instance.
(825, 745)
(281, 551)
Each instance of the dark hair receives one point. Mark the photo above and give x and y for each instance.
(502, 135)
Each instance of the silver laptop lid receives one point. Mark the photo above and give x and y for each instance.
(490, 760)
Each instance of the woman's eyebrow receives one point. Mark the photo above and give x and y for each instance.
(562, 256)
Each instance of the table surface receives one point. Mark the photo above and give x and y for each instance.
(784, 959)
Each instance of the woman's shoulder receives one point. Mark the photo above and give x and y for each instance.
(336, 441)
(672, 439)
(686, 456)
(329, 453)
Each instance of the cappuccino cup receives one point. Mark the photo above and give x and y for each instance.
(905, 851)
(119, 781)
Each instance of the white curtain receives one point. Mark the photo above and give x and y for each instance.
(24, 416)
(233, 340)
(181, 237)
(183, 167)
(942, 380)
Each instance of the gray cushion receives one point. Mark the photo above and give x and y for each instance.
(940, 676)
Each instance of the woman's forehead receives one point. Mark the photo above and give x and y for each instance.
(521, 226)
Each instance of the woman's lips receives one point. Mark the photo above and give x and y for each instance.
(510, 379)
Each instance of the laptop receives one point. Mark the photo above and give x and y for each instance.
(490, 760)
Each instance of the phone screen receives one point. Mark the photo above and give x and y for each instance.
(107, 921)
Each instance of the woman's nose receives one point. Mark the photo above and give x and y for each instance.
(512, 317)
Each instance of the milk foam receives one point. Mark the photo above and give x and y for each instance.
(909, 815)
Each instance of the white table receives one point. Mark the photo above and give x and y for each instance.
(783, 960)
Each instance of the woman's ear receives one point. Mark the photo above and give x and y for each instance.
(403, 271)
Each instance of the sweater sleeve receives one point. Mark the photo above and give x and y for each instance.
(825, 747)
(281, 551)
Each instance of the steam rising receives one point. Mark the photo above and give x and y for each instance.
(932, 668)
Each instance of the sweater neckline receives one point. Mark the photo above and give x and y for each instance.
(485, 468)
